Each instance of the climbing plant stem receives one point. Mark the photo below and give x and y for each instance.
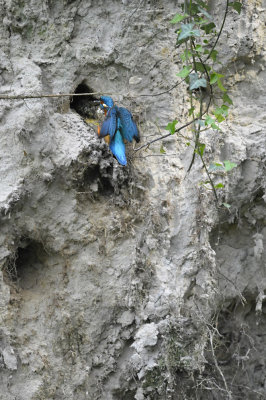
(210, 179)
(220, 31)
(165, 136)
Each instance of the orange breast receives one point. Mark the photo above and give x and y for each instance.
(107, 139)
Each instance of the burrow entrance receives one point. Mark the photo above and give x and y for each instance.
(27, 265)
(86, 106)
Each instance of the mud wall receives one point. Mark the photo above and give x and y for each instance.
(127, 283)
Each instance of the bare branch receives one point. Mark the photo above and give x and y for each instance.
(217, 365)
(165, 136)
(220, 31)
(39, 96)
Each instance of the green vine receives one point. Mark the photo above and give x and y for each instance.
(196, 32)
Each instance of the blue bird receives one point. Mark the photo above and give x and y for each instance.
(117, 127)
(128, 128)
(106, 102)
(118, 148)
(109, 125)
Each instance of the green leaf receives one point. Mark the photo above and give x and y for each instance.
(204, 12)
(200, 67)
(216, 167)
(236, 6)
(214, 126)
(226, 205)
(202, 21)
(186, 55)
(219, 186)
(188, 143)
(219, 118)
(225, 108)
(219, 83)
(191, 110)
(188, 31)
(218, 111)
(209, 120)
(171, 126)
(227, 99)
(201, 148)
(187, 80)
(193, 77)
(195, 82)
(184, 72)
(178, 17)
(214, 55)
(162, 151)
(193, 8)
(214, 77)
(228, 165)
(200, 122)
(208, 27)
(199, 48)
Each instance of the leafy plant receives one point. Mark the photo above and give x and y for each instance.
(197, 34)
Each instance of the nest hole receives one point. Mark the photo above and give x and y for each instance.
(97, 182)
(86, 106)
(26, 265)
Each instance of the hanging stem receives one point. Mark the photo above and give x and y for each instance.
(220, 31)
(210, 179)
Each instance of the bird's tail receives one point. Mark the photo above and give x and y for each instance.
(118, 148)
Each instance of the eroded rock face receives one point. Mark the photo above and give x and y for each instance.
(115, 279)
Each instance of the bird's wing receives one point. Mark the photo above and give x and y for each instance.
(118, 148)
(108, 126)
(127, 125)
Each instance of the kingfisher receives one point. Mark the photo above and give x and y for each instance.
(117, 127)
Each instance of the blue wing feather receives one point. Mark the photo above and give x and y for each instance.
(119, 124)
(127, 125)
(118, 148)
(108, 126)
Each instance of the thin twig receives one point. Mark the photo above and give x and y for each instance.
(210, 179)
(220, 31)
(242, 298)
(196, 136)
(159, 94)
(217, 366)
(39, 96)
(208, 106)
(207, 75)
(156, 155)
(165, 136)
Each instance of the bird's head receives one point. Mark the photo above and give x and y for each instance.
(106, 102)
